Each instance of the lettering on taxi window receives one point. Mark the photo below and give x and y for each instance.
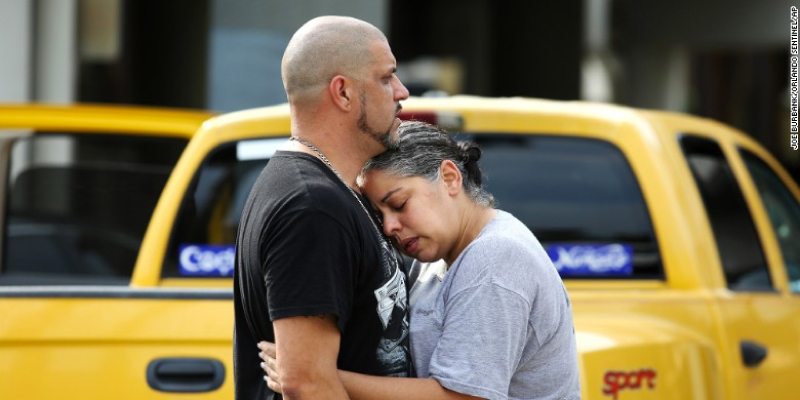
(616, 381)
(206, 260)
(592, 260)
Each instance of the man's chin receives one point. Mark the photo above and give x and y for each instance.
(391, 138)
(391, 141)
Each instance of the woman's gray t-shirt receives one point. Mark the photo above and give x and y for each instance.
(498, 323)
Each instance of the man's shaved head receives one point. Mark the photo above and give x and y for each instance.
(323, 48)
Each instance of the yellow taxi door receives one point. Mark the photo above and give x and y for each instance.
(75, 207)
(760, 335)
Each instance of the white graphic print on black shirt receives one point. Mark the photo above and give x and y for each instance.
(392, 309)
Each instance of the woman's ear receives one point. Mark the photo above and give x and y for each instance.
(341, 92)
(451, 177)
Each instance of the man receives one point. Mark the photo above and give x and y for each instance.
(313, 271)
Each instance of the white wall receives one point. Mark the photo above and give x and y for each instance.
(15, 50)
(37, 50)
(55, 79)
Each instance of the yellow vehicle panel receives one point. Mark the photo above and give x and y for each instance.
(101, 348)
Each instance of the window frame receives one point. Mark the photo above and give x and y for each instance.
(744, 153)
(169, 273)
(739, 186)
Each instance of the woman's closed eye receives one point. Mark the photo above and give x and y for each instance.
(400, 206)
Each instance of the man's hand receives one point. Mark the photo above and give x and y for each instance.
(308, 348)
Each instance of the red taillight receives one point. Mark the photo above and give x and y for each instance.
(446, 120)
(423, 116)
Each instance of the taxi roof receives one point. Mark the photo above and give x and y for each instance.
(511, 114)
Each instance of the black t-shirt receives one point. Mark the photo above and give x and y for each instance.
(306, 247)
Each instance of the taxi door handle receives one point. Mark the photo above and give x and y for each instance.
(185, 374)
(752, 353)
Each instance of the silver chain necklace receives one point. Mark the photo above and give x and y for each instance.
(353, 192)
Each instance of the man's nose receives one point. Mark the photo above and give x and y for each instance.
(400, 91)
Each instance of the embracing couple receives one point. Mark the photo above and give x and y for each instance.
(324, 307)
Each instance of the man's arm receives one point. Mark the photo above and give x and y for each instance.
(308, 348)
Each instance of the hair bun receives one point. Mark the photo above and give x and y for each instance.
(471, 154)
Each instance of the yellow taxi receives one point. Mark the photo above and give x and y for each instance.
(678, 239)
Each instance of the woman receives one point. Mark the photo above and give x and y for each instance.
(490, 316)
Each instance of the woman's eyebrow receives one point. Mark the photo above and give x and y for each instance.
(389, 194)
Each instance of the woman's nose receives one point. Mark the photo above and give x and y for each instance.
(390, 225)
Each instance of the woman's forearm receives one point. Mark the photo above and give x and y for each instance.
(369, 387)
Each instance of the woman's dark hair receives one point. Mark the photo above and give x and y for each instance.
(422, 149)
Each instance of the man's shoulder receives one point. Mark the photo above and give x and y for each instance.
(299, 175)
(296, 187)
(293, 167)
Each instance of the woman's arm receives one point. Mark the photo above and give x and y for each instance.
(369, 387)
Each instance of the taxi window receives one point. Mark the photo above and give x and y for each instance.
(579, 197)
(77, 206)
(783, 211)
(202, 241)
(737, 240)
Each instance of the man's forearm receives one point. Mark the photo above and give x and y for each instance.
(307, 350)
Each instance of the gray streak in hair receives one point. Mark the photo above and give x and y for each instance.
(421, 151)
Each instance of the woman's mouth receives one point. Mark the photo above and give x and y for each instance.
(409, 245)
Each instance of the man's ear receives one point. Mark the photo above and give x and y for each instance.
(451, 177)
(342, 92)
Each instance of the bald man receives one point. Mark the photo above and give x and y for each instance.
(314, 273)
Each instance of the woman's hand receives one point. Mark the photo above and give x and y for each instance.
(270, 366)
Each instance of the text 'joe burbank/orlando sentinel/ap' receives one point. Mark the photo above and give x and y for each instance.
(793, 100)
